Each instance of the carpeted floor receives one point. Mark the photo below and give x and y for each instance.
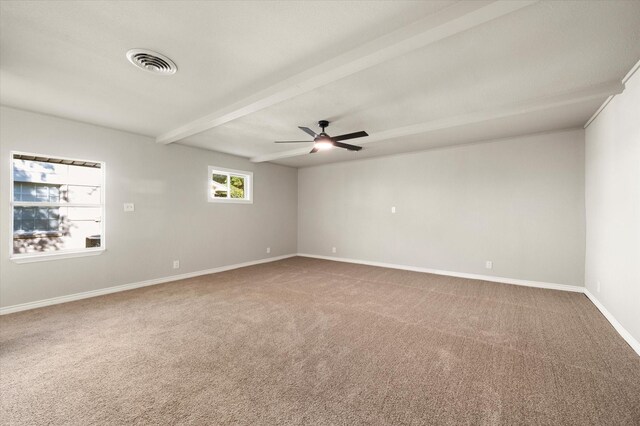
(305, 341)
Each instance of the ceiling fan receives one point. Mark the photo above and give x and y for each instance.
(324, 141)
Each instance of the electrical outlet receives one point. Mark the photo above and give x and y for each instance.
(333, 250)
(129, 207)
(393, 209)
(488, 264)
(176, 264)
(598, 286)
(268, 250)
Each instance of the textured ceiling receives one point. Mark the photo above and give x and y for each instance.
(552, 119)
(67, 59)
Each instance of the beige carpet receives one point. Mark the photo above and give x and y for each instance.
(305, 341)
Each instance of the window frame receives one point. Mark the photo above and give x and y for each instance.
(248, 185)
(62, 254)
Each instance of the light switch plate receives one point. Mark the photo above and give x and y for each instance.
(129, 207)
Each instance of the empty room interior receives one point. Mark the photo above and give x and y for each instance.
(320, 212)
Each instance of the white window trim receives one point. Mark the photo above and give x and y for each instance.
(67, 254)
(248, 186)
(61, 254)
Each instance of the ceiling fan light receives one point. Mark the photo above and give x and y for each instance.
(323, 145)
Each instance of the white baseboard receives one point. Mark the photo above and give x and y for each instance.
(131, 286)
(503, 280)
(635, 345)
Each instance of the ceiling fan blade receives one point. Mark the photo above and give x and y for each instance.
(313, 150)
(350, 136)
(347, 146)
(293, 141)
(308, 131)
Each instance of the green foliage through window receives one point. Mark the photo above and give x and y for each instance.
(237, 187)
(229, 186)
(222, 179)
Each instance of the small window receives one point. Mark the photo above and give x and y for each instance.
(57, 206)
(230, 186)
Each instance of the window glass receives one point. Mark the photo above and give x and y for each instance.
(57, 205)
(229, 185)
(237, 186)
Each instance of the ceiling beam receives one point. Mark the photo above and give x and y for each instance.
(599, 91)
(452, 20)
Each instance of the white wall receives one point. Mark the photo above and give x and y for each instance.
(613, 207)
(518, 202)
(172, 220)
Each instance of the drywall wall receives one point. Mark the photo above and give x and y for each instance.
(172, 218)
(613, 207)
(518, 203)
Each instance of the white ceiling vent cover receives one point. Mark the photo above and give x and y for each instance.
(152, 61)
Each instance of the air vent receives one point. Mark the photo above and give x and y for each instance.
(152, 61)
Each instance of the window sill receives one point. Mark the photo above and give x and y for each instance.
(230, 201)
(30, 258)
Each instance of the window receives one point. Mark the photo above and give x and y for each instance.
(58, 206)
(230, 186)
